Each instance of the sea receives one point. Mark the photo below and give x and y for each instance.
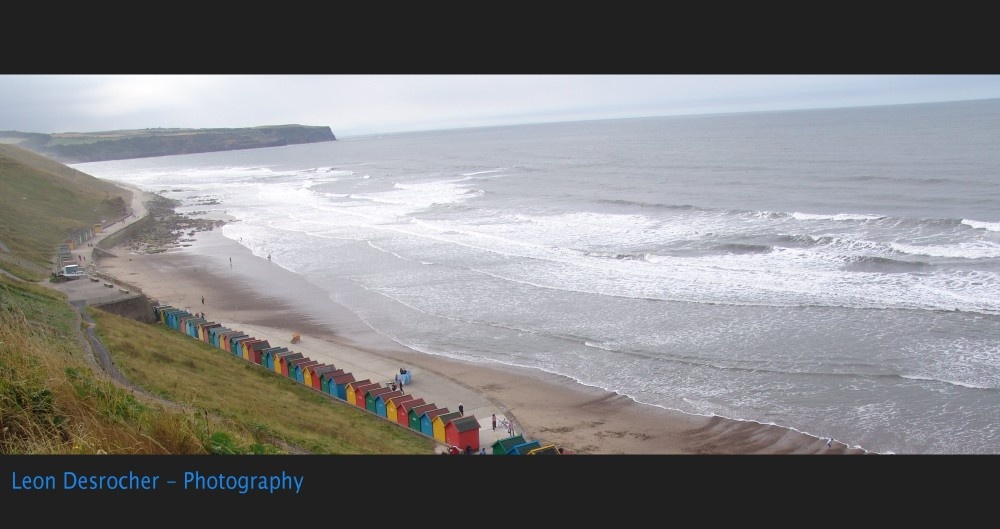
(831, 271)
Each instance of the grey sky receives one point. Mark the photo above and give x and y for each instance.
(354, 105)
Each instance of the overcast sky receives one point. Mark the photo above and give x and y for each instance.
(356, 105)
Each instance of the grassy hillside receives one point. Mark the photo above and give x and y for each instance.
(201, 400)
(181, 396)
(42, 202)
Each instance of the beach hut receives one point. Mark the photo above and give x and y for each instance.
(351, 390)
(361, 390)
(245, 347)
(280, 362)
(254, 349)
(413, 415)
(427, 420)
(439, 423)
(299, 366)
(545, 450)
(181, 322)
(403, 411)
(326, 381)
(463, 432)
(206, 330)
(194, 327)
(310, 377)
(524, 448)
(372, 396)
(283, 366)
(393, 403)
(267, 356)
(383, 399)
(222, 336)
(201, 330)
(174, 317)
(338, 385)
(316, 378)
(236, 344)
(501, 447)
(161, 312)
(225, 341)
(191, 326)
(214, 334)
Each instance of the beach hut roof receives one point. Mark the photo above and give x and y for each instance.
(434, 413)
(375, 392)
(547, 450)
(354, 384)
(409, 404)
(446, 418)
(399, 399)
(330, 375)
(509, 442)
(346, 377)
(524, 448)
(387, 396)
(464, 424)
(419, 410)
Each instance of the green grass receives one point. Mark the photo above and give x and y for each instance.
(201, 400)
(42, 202)
(182, 369)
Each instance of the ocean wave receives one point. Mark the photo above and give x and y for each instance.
(622, 202)
(988, 226)
(868, 263)
(965, 250)
(737, 248)
(838, 216)
(948, 382)
(619, 256)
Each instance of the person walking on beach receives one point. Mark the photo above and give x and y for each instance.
(461, 409)
(494, 422)
(203, 300)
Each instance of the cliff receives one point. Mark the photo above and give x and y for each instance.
(79, 147)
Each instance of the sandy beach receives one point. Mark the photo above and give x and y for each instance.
(223, 279)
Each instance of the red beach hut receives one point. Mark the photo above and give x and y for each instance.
(361, 390)
(403, 411)
(463, 432)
